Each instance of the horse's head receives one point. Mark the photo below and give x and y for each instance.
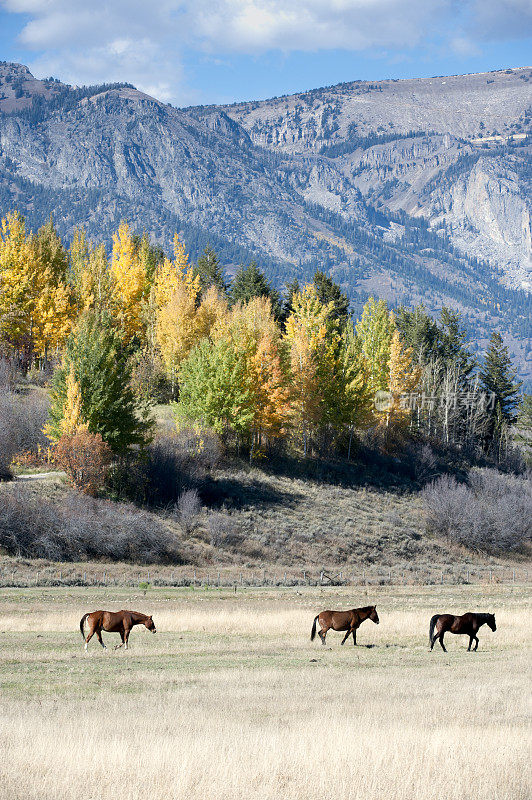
(150, 624)
(491, 622)
(374, 617)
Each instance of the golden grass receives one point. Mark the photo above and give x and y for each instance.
(231, 700)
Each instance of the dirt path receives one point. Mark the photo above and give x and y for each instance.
(41, 476)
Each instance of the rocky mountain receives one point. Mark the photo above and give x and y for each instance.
(416, 190)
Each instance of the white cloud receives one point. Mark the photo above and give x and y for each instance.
(463, 46)
(502, 19)
(88, 41)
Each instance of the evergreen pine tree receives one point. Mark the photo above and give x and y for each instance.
(328, 291)
(292, 288)
(420, 332)
(498, 380)
(210, 272)
(453, 349)
(93, 359)
(251, 282)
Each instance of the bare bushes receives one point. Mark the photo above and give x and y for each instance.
(77, 527)
(222, 530)
(170, 465)
(22, 418)
(188, 508)
(493, 513)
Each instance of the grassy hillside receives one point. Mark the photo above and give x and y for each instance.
(258, 524)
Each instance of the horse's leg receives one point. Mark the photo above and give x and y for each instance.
(322, 634)
(99, 635)
(354, 632)
(441, 642)
(471, 637)
(476, 643)
(126, 636)
(122, 637)
(346, 635)
(88, 638)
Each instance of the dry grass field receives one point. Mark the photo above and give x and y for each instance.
(230, 699)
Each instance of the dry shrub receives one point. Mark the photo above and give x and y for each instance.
(223, 530)
(188, 508)
(22, 418)
(85, 458)
(493, 513)
(40, 375)
(76, 527)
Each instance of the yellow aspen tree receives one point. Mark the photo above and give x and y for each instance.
(171, 274)
(404, 378)
(306, 336)
(54, 315)
(36, 300)
(177, 329)
(72, 419)
(212, 311)
(255, 333)
(90, 273)
(79, 256)
(18, 274)
(180, 318)
(129, 284)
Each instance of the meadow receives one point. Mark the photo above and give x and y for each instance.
(230, 699)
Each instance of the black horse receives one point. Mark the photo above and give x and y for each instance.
(468, 623)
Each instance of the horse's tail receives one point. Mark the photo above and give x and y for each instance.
(313, 631)
(432, 626)
(82, 624)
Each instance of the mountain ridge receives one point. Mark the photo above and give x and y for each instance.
(304, 181)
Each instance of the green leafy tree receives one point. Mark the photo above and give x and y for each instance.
(214, 388)
(210, 272)
(374, 332)
(329, 292)
(251, 282)
(94, 358)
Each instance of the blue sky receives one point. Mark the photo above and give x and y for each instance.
(217, 51)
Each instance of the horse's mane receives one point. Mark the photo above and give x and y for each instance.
(484, 617)
(138, 615)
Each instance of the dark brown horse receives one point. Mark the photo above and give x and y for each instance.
(343, 621)
(113, 622)
(468, 623)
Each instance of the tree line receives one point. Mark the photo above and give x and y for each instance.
(265, 371)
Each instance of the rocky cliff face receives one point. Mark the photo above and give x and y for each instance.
(454, 150)
(419, 190)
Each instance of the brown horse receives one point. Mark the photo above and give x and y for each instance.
(468, 623)
(343, 621)
(114, 622)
